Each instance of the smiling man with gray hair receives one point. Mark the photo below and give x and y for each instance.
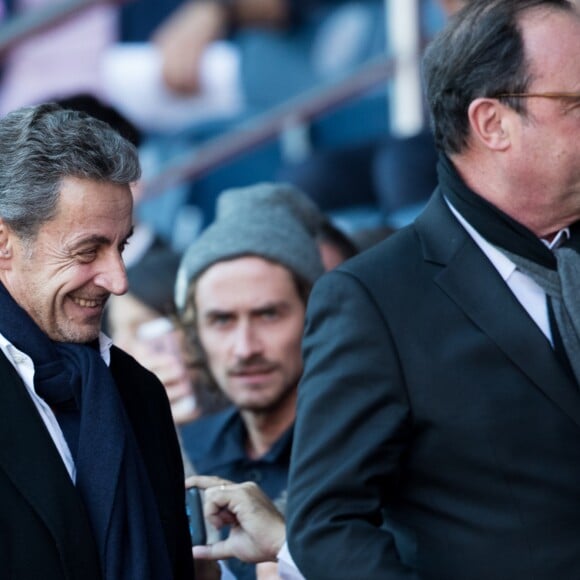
(91, 478)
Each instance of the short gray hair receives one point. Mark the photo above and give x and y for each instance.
(42, 145)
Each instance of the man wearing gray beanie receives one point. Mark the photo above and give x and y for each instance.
(241, 294)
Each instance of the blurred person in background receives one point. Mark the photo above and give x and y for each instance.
(241, 292)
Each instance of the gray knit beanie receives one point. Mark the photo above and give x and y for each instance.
(284, 195)
(267, 230)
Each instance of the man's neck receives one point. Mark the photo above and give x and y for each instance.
(522, 200)
(264, 429)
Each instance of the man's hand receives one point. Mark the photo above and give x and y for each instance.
(257, 528)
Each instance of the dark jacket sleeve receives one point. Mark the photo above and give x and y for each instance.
(351, 430)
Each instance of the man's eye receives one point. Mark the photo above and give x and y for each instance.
(220, 320)
(270, 314)
(87, 255)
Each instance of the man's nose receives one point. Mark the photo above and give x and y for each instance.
(247, 343)
(113, 275)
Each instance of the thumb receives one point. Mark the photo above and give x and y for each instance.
(215, 551)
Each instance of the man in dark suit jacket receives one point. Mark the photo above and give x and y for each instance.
(438, 423)
(91, 479)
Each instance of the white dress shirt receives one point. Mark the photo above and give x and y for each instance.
(287, 570)
(528, 292)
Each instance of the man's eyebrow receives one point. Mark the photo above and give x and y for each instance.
(280, 305)
(94, 239)
(213, 312)
(271, 304)
(274, 305)
(98, 239)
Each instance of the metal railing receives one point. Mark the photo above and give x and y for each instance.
(239, 139)
(248, 136)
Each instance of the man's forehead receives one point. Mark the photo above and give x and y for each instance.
(242, 283)
(244, 266)
(551, 40)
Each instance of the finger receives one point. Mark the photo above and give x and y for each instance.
(219, 518)
(217, 551)
(206, 481)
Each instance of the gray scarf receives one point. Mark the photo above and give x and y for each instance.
(562, 287)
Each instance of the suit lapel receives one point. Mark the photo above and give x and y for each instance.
(31, 461)
(474, 284)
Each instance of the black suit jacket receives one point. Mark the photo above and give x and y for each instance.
(437, 436)
(44, 530)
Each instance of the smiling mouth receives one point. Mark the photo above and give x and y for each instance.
(89, 302)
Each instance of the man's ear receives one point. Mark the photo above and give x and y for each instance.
(6, 236)
(489, 123)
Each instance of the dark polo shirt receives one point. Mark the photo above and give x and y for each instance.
(215, 445)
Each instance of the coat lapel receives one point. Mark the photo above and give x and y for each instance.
(31, 461)
(474, 284)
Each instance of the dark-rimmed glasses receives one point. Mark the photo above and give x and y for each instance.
(553, 95)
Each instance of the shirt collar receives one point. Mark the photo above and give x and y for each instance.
(503, 264)
(105, 344)
(561, 237)
(228, 444)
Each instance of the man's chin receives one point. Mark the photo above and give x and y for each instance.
(259, 407)
(253, 403)
(264, 402)
(79, 334)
